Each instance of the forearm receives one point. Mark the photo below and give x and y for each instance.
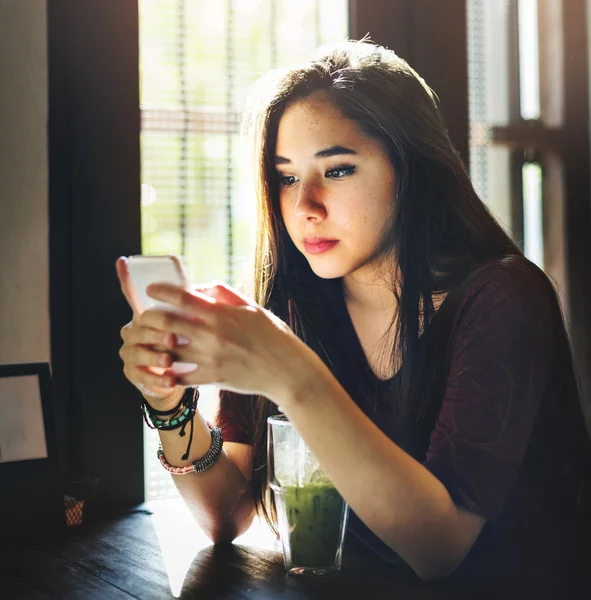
(219, 498)
(397, 498)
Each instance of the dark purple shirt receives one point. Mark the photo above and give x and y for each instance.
(497, 442)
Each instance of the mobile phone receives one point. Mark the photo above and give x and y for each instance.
(145, 270)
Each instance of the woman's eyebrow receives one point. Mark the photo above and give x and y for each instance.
(326, 153)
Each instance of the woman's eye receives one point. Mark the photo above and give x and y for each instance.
(287, 181)
(340, 172)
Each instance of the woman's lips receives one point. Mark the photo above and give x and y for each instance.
(320, 247)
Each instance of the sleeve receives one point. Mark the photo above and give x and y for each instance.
(233, 417)
(498, 371)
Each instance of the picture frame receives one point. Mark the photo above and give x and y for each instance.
(31, 498)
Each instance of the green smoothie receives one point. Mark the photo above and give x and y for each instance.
(312, 515)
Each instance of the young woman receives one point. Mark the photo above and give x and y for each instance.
(423, 359)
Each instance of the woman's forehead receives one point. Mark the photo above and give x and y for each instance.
(313, 123)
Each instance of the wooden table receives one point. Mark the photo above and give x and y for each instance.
(153, 554)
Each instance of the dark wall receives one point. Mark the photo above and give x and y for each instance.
(94, 158)
(431, 37)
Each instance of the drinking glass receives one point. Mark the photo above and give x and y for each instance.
(312, 515)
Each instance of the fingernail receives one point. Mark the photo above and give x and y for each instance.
(182, 367)
(181, 340)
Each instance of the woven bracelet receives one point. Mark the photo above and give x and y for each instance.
(201, 464)
(187, 414)
(188, 400)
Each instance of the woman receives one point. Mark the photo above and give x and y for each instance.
(426, 361)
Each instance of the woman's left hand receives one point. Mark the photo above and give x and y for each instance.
(237, 345)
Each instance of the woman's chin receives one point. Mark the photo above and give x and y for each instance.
(327, 271)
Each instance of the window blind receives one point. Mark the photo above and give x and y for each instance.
(197, 58)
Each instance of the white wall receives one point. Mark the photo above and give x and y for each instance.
(24, 225)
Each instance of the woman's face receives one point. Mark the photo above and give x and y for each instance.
(335, 183)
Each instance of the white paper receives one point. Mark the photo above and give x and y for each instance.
(22, 431)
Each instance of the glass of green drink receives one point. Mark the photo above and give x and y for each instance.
(312, 515)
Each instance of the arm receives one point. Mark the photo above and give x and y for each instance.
(219, 499)
(499, 366)
(394, 495)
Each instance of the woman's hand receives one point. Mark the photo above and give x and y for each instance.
(237, 345)
(147, 368)
(145, 353)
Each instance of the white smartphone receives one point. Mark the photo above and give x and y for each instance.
(145, 270)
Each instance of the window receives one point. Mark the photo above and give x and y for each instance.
(529, 141)
(197, 59)
(516, 98)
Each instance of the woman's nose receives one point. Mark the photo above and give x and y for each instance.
(309, 202)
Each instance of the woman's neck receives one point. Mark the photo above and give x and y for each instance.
(369, 296)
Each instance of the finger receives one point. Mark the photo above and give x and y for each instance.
(176, 324)
(141, 356)
(200, 376)
(186, 356)
(196, 305)
(144, 375)
(222, 292)
(126, 331)
(123, 276)
(133, 333)
(154, 338)
(127, 285)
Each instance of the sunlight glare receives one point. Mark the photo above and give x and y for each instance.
(180, 545)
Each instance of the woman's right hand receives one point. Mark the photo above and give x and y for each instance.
(145, 353)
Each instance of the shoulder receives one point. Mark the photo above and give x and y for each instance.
(512, 284)
(509, 300)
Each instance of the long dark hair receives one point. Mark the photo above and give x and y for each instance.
(439, 231)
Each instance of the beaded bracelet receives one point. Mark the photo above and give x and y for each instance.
(173, 423)
(188, 400)
(201, 464)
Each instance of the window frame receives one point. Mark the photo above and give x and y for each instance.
(94, 216)
(560, 141)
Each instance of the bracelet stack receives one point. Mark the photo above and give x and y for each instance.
(178, 417)
(180, 414)
(201, 464)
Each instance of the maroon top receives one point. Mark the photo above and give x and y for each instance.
(495, 445)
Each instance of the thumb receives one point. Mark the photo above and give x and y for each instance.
(222, 292)
(127, 286)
